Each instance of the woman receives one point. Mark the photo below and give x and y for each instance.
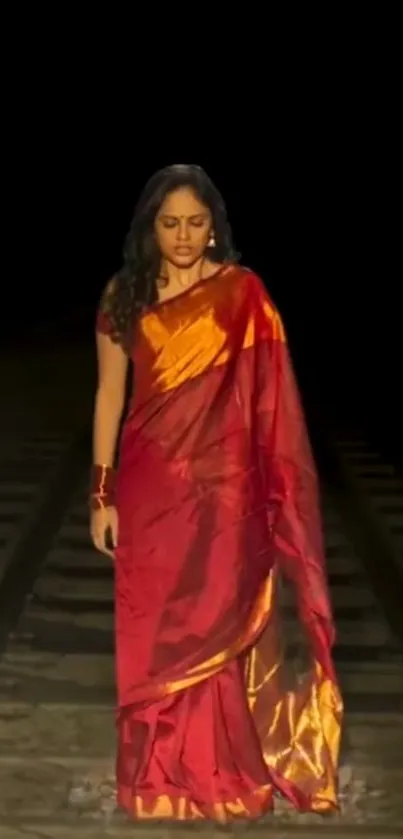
(213, 513)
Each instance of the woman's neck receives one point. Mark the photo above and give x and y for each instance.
(183, 277)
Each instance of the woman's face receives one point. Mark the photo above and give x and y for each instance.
(183, 227)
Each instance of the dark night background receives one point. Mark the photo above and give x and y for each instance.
(310, 182)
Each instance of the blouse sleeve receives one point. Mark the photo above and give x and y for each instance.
(103, 323)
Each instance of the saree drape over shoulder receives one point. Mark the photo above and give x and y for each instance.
(227, 692)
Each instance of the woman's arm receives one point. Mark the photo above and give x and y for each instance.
(109, 399)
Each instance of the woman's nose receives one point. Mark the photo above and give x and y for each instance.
(183, 230)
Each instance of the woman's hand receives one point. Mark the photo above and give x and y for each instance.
(104, 524)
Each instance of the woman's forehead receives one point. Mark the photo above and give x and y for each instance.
(182, 202)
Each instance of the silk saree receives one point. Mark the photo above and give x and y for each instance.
(226, 688)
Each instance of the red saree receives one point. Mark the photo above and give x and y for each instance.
(218, 519)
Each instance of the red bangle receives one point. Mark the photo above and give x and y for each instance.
(102, 488)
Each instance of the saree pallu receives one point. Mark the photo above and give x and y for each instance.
(226, 687)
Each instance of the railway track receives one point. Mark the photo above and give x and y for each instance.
(37, 475)
(378, 487)
(56, 670)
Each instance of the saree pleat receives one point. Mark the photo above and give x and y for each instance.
(226, 687)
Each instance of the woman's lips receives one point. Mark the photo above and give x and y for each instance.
(183, 250)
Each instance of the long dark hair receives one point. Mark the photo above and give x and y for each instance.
(134, 287)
